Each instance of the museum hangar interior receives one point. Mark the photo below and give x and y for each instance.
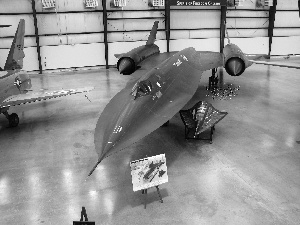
(249, 173)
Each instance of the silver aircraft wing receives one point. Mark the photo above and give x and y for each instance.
(30, 97)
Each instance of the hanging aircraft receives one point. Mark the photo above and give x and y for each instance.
(15, 85)
(161, 85)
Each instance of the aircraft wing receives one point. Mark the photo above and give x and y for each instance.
(38, 96)
(208, 60)
(287, 64)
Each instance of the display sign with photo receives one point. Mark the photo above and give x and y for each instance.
(149, 172)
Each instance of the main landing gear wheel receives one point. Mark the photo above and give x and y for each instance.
(13, 120)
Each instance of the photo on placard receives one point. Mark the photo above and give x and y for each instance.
(149, 172)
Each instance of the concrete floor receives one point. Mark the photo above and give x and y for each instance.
(249, 175)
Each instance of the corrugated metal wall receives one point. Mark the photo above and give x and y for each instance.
(73, 36)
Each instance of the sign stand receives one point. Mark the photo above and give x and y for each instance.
(213, 80)
(144, 192)
(81, 222)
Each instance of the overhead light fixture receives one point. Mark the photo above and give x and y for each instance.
(268, 2)
(91, 3)
(264, 3)
(119, 3)
(48, 4)
(157, 3)
(234, 3)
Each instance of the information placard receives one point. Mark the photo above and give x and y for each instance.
(198, 2)
(149, 172)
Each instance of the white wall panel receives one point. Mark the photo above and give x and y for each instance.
(70, 23)
(287, 4)
(133, 24)
(122, 47)
(15, 6)
(67, 56)
(138, 14)
(286, 45)
(286, 32)
(244, 13)
(247, 22)
(30, 62)
(49, 23)
(82, 22)
(14, 20)
(287, 19)
(162, 44)
(258, 45)
(3, 53)
(133, 36)
(192, 34)
(211, 44)
(248, 32)
(71, 39)
(195, 19)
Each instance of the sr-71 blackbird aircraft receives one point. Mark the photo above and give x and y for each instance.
(161, 85)
(14, 85)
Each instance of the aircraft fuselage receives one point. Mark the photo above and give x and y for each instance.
(13, 82)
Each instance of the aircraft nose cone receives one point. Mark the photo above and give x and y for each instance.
(235, 66)
(126, 66)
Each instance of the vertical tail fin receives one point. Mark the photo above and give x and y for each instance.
(152, 36)
(16, 54)
(227, 34)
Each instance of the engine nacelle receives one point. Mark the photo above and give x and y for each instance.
(126, 65)
(129, 62)
(235, 60)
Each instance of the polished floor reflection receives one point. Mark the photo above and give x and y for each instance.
(249, 175)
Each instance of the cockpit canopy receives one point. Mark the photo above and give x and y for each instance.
(142, 88)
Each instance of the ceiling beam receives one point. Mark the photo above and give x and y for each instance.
(222, 27)
(167, 23)
(37, 39)
(105, 32)
(272, 12)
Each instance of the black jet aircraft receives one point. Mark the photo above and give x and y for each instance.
(161, 85)
(15, 84)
